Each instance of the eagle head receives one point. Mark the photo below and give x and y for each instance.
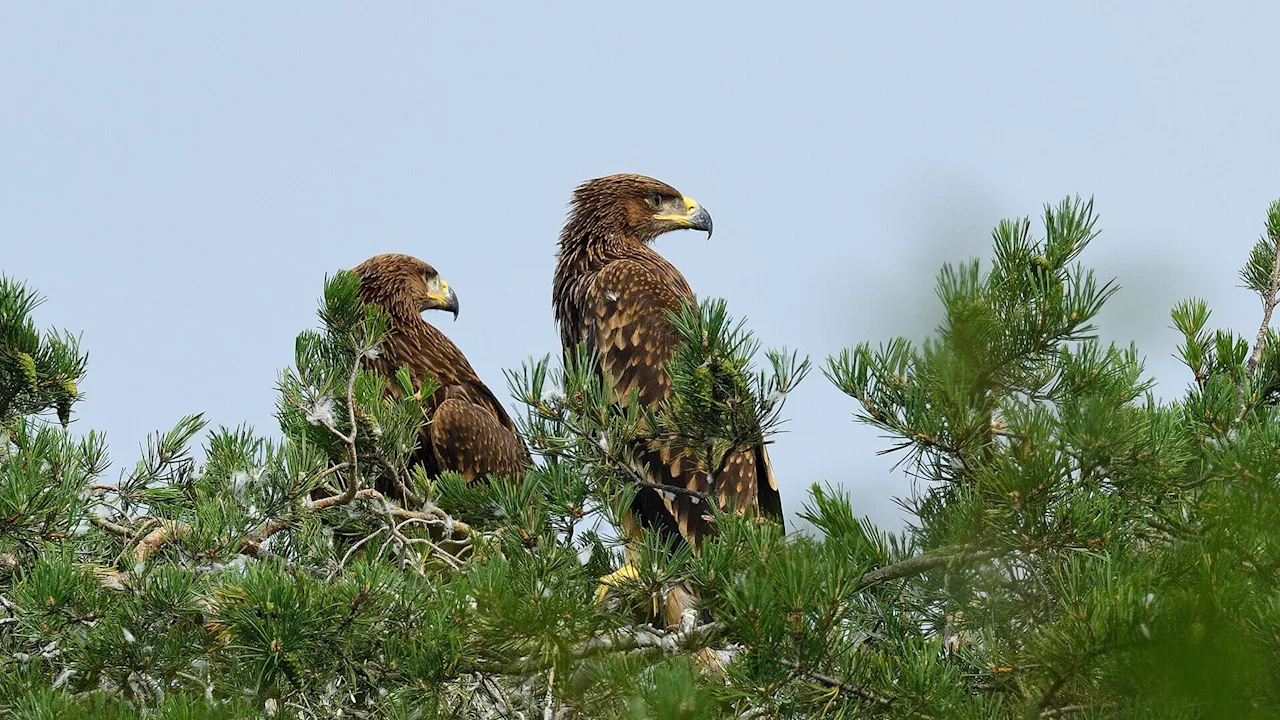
(403, 284)
(637, 205)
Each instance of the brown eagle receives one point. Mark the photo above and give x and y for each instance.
(467, 429)
(613, 291)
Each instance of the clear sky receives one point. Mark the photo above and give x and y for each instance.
(178, 179)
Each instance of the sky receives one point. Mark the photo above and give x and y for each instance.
(177, 179)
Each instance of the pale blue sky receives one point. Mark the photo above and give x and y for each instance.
(178, 179)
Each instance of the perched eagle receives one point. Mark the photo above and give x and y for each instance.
(613, 291)
(467, 429)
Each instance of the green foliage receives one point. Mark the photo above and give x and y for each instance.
(1121, 549)
(38, 373)
(1077, 548)
(718, 406)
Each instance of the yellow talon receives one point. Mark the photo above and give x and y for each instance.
(626, 572)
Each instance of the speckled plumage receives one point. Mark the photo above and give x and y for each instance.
(612, 291)
(467, 429)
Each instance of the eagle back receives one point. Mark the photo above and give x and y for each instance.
(417, 345)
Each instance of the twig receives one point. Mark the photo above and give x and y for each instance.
(119, 531)
(252, 546)
(404, 542)
(435, 549)
(642, 637)
(837, 684)
(353, 477)
(923, 563)
(1063, 711)
(1269, 304)
(636, 478)
(499, 698)
(410, 497)
(347, 556)
(675, 490)
(547, 712)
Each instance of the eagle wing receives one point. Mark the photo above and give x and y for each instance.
(467, 429)
(469, 438)
(624, 310)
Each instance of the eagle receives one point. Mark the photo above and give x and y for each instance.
(614, 292)
(467, 430)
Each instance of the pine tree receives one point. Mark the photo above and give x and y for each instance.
(1077, 548)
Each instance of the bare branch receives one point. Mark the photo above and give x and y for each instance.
(648, 637)
(499, 698)
(168, 530)
(119, 531)
(353, 477)
(547, 712)
(156, 539)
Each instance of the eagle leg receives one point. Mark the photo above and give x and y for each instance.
(678, 607)
(610, 581)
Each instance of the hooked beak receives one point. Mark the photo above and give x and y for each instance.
(446, 300)
(700, 219)
(695, 217)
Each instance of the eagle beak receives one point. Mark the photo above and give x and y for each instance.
(446, 300)
(698, 217)
(695, 217)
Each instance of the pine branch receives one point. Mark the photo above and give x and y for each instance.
(635, 638)
(1269, 304)
(168, 531)
(675, 490)
(639, 637)
(837, 684)
(635, 477)
(410, 497)
(1064, 711)
(353, 477)
(117, 530)
(500, 700)
(925, 562)
(1063, 676)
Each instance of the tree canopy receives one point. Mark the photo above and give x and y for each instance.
(1077, 546)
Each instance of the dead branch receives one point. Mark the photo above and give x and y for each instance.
(168, 530)
(500, 700)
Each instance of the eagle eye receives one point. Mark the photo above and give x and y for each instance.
(655, 200)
